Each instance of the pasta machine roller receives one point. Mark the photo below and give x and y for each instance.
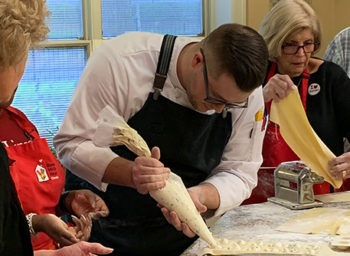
(294, 185)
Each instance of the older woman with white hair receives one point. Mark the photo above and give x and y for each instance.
(292, 33)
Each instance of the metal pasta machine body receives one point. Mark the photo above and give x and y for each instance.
(294, 185)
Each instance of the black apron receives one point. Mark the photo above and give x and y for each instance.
(191, 145)
(14, 232)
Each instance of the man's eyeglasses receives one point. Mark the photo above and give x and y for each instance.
(212, 100)
(291, 49)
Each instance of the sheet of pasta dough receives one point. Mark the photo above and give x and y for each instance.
(296, 130)
(334, 197)
(333, 221)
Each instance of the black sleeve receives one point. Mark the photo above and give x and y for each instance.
(14, 233)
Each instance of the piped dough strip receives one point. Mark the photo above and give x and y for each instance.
(296, 130)
(241, 247)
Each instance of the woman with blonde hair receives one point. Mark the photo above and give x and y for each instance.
(31, 177)
(292, 33)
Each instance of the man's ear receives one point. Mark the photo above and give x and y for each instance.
(197, 59)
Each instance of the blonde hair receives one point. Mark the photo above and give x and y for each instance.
(22, 25)
(284, 18)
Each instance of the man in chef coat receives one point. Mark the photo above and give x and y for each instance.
(199, 107)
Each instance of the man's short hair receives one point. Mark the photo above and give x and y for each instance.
(239, 51)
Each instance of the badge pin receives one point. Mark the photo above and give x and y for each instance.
(41, 173)
(259, 115)
(314, 89)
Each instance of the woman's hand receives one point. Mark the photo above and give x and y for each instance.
(57, 229)
(278, 87)
(82, 227)
(148, 173)
(340, 166)
(78, 249)
(84, 202)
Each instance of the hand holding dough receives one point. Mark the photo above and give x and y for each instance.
(296, 130)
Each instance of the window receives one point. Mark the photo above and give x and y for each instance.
(76, 28)
(66, 19)
(47, 85)
(178, 17)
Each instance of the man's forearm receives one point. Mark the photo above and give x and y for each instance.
(119, 172)
(208, 195)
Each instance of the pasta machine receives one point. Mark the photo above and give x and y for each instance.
(294, 185)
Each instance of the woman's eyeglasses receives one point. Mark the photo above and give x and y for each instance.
(291, 49)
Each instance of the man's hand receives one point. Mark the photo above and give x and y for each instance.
(148, 173)
(173, 218)
(278, 87)
(84, 202)
(340, 166)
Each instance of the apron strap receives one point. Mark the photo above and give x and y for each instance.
(166, 51)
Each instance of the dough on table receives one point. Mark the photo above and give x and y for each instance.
(332, 221)
(334, 197)
(296, 130)
(241, 247)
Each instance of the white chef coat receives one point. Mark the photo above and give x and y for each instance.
(120, 74)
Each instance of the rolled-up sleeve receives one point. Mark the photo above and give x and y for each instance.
(236, 175)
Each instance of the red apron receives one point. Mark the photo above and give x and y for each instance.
(38, 176)
(276, 151)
